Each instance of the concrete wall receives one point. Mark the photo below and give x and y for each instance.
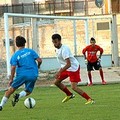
(52, 64)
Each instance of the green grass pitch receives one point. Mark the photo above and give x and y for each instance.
(49, 105)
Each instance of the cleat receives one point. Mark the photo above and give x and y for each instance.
(104, 83)
(90, 101)
(1, 108)
(68, 98)
(15, 99)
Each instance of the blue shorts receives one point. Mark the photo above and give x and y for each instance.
(29, 82)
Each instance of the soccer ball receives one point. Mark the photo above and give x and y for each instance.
(29, 103)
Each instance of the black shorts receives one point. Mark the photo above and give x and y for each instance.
(91, 66)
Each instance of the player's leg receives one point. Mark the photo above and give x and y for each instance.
(60, 85)
(102, 76)
(81, 92)
(75, 78)
(29, 86)
(98, 66)
(17, 82)
(6, 97)
(29, 82)
(89, 69)
(10, 91)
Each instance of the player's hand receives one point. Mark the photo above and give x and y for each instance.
(99, 59)
(57, 75)
(86, 61)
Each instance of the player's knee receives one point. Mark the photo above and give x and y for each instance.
(9, 92)
(74, 88)
(28, 93)
(56, 83)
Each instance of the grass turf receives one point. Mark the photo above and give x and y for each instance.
(49, 105)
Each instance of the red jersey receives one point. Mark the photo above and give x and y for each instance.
(92, 52)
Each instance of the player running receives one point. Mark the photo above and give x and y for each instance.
(69, 68)
(92, 60)
(23, 62)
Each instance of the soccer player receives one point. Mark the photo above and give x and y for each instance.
(69, 68)
(23, 63)
(92, 61)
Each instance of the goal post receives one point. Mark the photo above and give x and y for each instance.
(6, 25)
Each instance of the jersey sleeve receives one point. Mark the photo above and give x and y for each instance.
(84, 50)
(13, 60)
(35, 55)
(66, 53)
(100, 49)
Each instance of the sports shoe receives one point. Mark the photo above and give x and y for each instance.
(15, 99)
(104, 82)
(68, 98)
(1, 108)
(90, 101)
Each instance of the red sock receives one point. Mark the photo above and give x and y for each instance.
(68, 93)
(90, 77)
(85, 96)
(101, 74)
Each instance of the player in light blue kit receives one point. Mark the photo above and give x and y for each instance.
(23, 63)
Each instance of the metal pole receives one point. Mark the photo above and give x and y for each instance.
(7, 44)
(86, 32)
(35, 42)
(75, 38)
(93, 30)
(114, 42)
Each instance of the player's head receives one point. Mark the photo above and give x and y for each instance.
(20, 41)
(92, 41)
(56, 39)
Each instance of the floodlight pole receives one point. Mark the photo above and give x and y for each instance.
(7, 44)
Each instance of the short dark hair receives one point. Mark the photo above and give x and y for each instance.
(93, 39)
(20, 41)
(56, 36)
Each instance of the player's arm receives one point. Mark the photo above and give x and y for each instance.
(39, 60)
(68, 64)
(101, 52)
(84, 52)
(12, 74)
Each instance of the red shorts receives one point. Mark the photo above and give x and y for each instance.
(74, 76)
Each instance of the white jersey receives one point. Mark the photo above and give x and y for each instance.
(62, 54)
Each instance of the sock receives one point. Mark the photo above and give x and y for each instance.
(101, 74)
(3, 101)
(85, 96)
(22, 94)
(90, 77)
(68, 93)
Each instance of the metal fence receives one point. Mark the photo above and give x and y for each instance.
(52, 8)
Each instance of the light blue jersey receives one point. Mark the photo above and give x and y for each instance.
(26, 68)
(25, 63)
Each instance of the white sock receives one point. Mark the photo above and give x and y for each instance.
(3, 101)
(22, 94)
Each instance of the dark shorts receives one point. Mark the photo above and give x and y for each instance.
(91, 66)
